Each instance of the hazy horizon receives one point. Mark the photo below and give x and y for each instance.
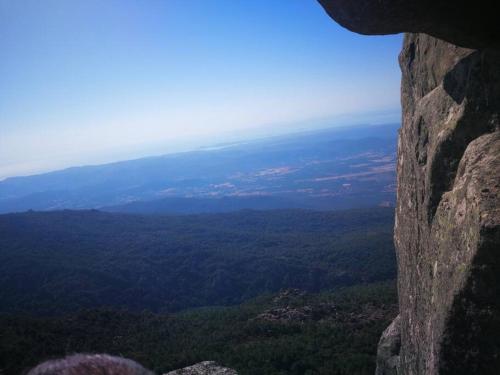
(92, 83)
(227, 140)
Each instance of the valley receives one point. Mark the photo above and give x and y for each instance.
(272, 256)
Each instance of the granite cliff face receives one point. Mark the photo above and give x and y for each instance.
(447, 230)
(447, 219)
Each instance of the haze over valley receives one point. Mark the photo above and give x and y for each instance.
(325, 169)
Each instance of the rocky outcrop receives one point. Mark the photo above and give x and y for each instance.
(388, 349)
(447, 230)
(203, 368)
(285, 309)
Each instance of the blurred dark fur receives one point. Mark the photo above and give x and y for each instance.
(90, 364)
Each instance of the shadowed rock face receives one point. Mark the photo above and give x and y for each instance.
(447, 230)
(472, 24)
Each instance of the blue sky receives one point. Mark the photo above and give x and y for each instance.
(92, 81)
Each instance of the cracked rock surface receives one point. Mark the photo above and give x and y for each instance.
(447, 229)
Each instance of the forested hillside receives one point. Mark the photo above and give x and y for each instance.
(291, 333)
(61, 262)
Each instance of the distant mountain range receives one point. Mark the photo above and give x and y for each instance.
(327, 169)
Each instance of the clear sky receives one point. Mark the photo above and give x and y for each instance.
(91, 81)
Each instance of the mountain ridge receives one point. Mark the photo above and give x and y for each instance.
(306, 169)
